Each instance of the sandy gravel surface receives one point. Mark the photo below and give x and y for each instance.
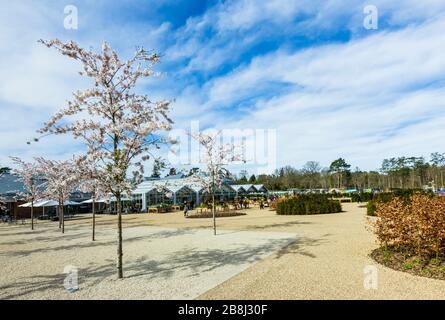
(159, 262)
(327, 262)
(168, 256)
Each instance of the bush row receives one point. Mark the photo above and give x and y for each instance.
(307, 204)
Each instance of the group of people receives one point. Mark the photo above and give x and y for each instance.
(243, 203)
(133, 209)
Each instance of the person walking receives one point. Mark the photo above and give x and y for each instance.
(186, 209)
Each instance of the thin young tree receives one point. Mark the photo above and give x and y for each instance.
(90, 181)
(61, 179)
(28, 174)
(215, 156)
(118, 126)
(2, 200)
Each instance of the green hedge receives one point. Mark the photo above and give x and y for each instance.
(371, 207)
(307, 204)
(360, 197)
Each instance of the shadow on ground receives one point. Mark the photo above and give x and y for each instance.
(91, 244)
(192, 262)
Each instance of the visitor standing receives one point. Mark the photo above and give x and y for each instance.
(186, 209)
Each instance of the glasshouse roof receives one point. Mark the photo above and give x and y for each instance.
(195, 183)
(246, 187)
(10, 185)
(171, 184)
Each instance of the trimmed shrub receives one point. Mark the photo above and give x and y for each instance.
(371, 207)
(382, 197)
(360, 197)
(413, 226)
(385, 197)
(307, 204)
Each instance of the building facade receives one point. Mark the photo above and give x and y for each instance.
(179, 189)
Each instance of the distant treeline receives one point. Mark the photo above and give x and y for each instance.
(395, 173)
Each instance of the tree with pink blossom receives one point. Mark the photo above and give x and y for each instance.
(61, 179)
(28, 174)
(215, 156)
(118, 126)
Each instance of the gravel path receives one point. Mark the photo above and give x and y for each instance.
(168, 256)
(159, 262)
(327, 262)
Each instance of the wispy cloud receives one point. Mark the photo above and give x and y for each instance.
(306, 67)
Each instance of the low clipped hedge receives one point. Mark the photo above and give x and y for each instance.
(382, 197)
(410, 232)
(307, 204)
(360, 197)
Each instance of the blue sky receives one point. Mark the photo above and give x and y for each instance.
(308, 69)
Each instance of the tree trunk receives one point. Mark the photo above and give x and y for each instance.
(94, 221)
(120, 273)
(441, 178)
(32, 214)
(214, 215)
(60, 216)
(63, 219)
(213, 202)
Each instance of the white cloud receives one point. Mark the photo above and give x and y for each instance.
(37, 81)
(378, 95)
(365, 100)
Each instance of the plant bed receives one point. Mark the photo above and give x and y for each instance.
(220, 214)
(411, 234)
(410, 263)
